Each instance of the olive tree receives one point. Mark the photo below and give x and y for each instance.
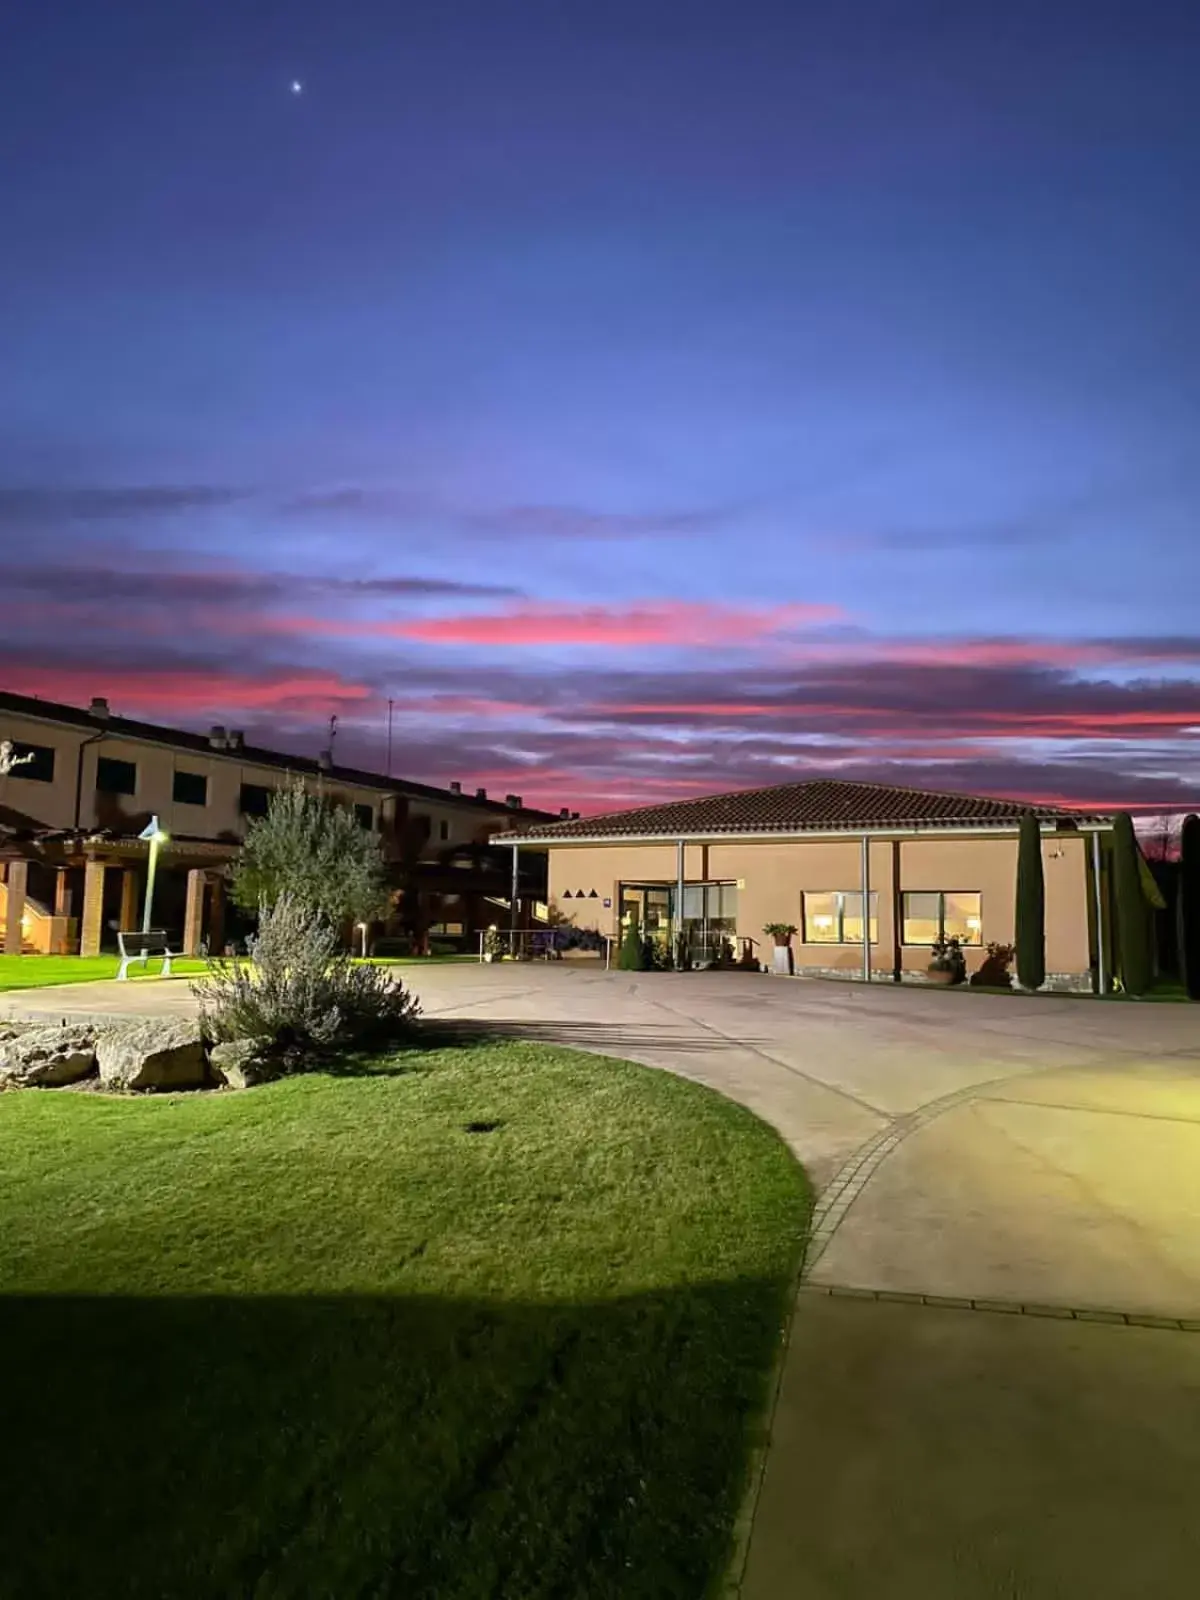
(316, 853)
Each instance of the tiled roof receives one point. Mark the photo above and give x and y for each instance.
(254, 755)
(822, 805)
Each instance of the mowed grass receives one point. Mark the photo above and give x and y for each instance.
(322, 1339)
(39, 972)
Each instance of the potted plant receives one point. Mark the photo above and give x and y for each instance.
(782, 933)
(994, 971)
(493, 944)
(947, 964)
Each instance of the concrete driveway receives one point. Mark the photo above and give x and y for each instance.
(1007, 1188)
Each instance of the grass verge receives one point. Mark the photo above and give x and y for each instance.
(498, 1325)
(40, 972)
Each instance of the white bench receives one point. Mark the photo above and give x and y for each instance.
(145, 947)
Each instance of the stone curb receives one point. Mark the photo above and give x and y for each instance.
(947, 1302)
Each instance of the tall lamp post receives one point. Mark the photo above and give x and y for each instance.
(154, 836)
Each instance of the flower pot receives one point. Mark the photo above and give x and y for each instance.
(939, 975)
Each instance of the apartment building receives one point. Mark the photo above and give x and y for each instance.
(83, 784)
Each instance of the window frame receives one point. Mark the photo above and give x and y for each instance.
(943, 895)
(108, 763)
(29, 771)
(182, 799)
(872, 920)
(257, 788)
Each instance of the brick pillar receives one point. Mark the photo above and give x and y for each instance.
(62, 893)
(216, 918)
(129, 900)
(93, 909)
(16, 879)
(193, 915)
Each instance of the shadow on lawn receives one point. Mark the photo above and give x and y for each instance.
(413, 1447)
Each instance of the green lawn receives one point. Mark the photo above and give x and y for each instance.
(37, 972)
(320, 1339)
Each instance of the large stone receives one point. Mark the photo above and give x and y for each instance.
(154, 1053)
(46, 1057)
(238, 1064)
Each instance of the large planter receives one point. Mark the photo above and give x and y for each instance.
(941, 976)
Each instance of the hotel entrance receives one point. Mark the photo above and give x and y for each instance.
(709, 917)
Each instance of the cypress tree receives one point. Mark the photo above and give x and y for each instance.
(1188, 906)
(632, 957)
(1133, 923)
(1031, 906)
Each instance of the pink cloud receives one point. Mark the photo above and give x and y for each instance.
(675, 622)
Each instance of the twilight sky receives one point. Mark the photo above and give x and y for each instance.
(649, 398)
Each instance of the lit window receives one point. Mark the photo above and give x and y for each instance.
(930, 915)
(835, 917)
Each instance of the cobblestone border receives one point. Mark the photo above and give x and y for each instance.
(852, 1177)
(947, 1302)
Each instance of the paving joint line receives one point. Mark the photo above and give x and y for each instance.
(989, 1304)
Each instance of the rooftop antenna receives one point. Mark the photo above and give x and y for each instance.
(389, 744)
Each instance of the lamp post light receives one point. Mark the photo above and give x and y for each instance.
(154, 836)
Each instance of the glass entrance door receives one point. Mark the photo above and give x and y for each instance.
(709, 917)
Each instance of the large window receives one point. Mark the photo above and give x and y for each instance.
(254, 800)
(933, 914)
(834, 916)
(35, 761)
(365, 816)
(115, 777)
(190, 788)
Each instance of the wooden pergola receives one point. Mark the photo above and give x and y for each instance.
(25, 841)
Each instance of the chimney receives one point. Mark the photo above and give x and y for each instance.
(564, 814)
(455, 786)
(481, 794)
(513, 801)
(236, 739)
(99, 708)
(216, 736)
(325, 760)
(574, 816)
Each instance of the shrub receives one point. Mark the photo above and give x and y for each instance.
(1031, 906)
(299, 996)
(780, 930)
(632, 956)
(994, 971)
(315, 852)
(1188, 906)
(1133, 918)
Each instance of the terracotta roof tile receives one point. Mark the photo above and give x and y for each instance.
(822, 804)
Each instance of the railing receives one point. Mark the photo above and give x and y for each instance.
(539, 944)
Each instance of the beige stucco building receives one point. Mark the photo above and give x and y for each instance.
(83, 783)
(718, 870)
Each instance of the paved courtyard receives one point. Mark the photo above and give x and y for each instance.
(1041, 1157)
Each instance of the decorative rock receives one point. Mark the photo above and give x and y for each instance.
(238, 1064)
(46, 1057)
(166, 1053)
